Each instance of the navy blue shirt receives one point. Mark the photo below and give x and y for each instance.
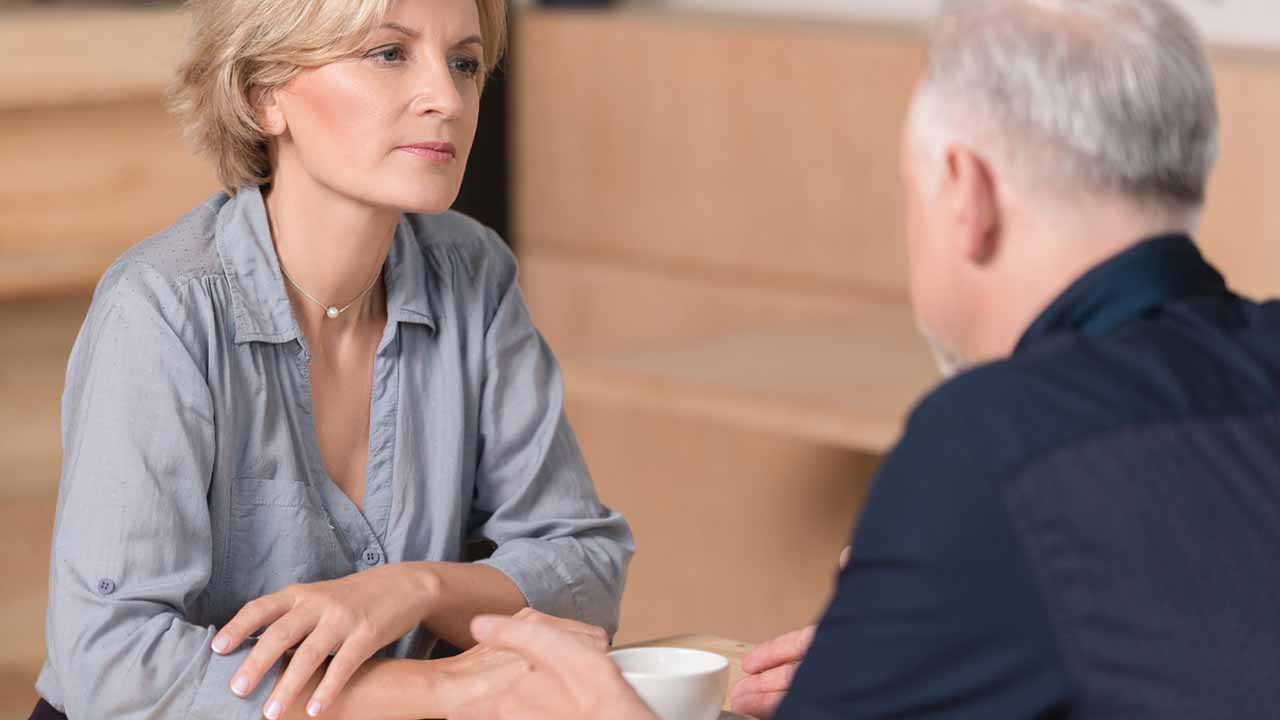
(1087, 529)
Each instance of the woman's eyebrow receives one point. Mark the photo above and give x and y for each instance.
(401, 29)
(414, 34)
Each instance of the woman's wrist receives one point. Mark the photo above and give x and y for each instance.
(453, 593)
(428, 588)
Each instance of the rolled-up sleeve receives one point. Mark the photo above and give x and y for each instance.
(132, 541)
(566, 551)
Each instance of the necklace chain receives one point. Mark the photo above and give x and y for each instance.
(331, 311)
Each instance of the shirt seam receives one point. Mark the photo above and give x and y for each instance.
(1017, 468)
(1021, 469)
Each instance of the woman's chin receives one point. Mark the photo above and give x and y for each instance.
(422, 204)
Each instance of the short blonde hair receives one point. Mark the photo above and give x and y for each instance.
(242, 48)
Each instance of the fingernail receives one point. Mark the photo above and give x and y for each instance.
(314, 708)
(273, 710)
(220, 644)
(240, 686)
(483, 624)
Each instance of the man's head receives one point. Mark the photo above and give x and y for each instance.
(1044, 136)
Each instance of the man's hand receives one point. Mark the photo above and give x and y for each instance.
(771, 667)
(569, 677)
(487, 670)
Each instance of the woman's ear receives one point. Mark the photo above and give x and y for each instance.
(269, 113)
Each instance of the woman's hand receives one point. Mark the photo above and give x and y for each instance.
(352, 617)
(569, 677)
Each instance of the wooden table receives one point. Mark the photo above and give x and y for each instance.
(732, 650)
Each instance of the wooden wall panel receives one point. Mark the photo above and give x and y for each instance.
(75, 56)
(738, 533)
(769, 150)
(82, 184)
(1241, 230)
(762, 149)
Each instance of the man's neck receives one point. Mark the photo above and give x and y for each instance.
(1049, 249)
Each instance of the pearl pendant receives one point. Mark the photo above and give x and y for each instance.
(332, 312)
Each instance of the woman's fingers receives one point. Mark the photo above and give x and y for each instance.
(259, 613)
(283, 634)
(788, 648)
(305, 661)
(593, 636)
(348, 659)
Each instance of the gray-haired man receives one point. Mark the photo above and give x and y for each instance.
(1083, 521)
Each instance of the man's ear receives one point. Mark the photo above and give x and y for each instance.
(269, 113)
(974, 204)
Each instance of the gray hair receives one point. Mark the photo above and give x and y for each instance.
(1101, 95)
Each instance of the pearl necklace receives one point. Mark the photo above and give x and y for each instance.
(332, 311)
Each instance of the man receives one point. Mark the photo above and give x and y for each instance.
(1083, 522)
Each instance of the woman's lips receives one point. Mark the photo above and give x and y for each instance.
(435, 152)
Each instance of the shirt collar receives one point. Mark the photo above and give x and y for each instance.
(260, 303)
(1148, 275)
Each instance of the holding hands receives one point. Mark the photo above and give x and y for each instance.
(568, 676)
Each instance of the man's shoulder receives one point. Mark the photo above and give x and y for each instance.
(1074, 388)
(1003, 413)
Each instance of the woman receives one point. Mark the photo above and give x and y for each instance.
(292, 408)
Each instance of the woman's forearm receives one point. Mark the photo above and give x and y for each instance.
(461, 591)
(388, 690)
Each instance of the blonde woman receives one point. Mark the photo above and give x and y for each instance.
(288, 412)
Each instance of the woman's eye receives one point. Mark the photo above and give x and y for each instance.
(390, 54)
(465, 66)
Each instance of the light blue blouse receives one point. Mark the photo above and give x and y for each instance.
(192, 481)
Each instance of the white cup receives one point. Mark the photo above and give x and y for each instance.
(675, 683)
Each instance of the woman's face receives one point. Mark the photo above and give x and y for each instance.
(391, 127)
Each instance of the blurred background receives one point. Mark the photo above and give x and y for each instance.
(704, 198)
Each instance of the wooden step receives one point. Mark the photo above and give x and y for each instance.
(848, 386)
(589, 304)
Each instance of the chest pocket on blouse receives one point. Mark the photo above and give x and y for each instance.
(279, 536)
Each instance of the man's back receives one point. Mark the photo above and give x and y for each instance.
(1084, 530)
